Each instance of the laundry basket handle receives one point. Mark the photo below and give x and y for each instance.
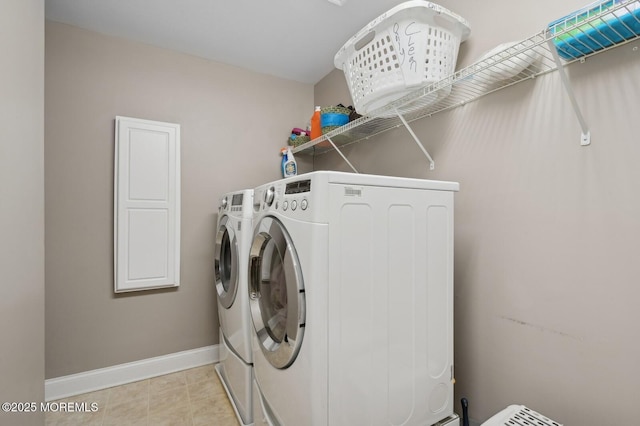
(366, 39)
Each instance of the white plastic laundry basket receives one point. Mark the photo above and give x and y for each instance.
(414, 44)
(519, 415)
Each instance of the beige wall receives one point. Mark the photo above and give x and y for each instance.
(22, 207)
(233, 123)
(547, 231)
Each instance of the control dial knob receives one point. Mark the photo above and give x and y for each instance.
(269, 196)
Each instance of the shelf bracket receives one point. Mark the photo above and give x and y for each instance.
(432, 165)
(341, 154)
(585, 138)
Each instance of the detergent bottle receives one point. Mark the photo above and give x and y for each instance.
(316, 126)
(283, 163)
(290, 165)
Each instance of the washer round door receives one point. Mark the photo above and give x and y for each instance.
(276, 293)
(226, 263)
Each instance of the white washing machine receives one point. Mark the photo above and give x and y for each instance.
(351, 295)
(233, 239)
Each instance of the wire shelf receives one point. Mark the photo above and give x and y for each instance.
(593, 29)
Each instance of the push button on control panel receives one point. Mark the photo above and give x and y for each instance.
(294, 205)
(285, 205)
(304, 204)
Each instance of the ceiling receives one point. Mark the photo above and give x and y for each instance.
(291, 39)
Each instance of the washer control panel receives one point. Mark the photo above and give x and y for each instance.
(296, 195)
(289, 198)
(231, 203)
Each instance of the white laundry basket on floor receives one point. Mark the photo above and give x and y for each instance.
(414, 44)
(521, 416)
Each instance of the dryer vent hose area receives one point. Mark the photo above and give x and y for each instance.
(465, 411)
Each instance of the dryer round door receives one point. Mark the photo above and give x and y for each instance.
(226, 263)
(276, 293)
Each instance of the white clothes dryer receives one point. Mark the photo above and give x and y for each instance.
(351, 296)
(233, 238)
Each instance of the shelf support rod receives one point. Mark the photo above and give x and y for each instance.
(432, 165)
(341, 154)
(585, 138)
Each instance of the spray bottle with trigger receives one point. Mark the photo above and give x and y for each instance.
(283, 152)
(290, 166)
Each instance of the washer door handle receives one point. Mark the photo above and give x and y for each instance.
(255, 264)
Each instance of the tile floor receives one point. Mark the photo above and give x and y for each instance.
(192, 397)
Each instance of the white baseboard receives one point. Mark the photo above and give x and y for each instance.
(89, 381)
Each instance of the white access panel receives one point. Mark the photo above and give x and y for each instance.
(146, 205)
